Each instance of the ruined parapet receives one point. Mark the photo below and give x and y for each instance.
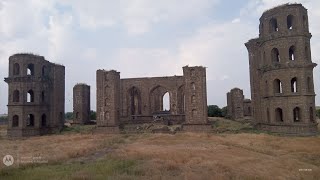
(81, 104)
(281, 72)
(235, 102)
(36, 96)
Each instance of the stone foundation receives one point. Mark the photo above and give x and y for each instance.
(108, 129)
(197, 127)
(299, 129)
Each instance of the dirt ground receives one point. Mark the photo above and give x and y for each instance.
(241, 155)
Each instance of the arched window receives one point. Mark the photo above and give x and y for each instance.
(193, 99)
(42, 96)
(305, 22)
(290, 22)
(30, 69)
(296, 114)
(30, 120)
(309, 84)
(166, 101)
(279, 115)
(15, 121)
(273, 25)
(43, 120)
(277, 86)
(16, 69)
(30, 96)
(193, 86)
(291, 53)
(275, 55)
(16, 96)
(294, 85)
(306, 51)
(194, 113)
(44, 70)
(311, 115)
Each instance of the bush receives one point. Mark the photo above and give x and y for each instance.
(214, 111)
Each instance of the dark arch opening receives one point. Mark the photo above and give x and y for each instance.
(296, 114)
(273, 25)
(42, 96)
(311, 115)
(294, 86)
(268, 115)
(44, 70)
(309, 84)
(290, 22)
(277, 86)
(15, 121)
(279, 115)
(292, 53)
(16, 69)
(275, 55)
(30, 120)
(30, 96)
(43, 120)
(30, 69)
(135, 101)
(16, 96)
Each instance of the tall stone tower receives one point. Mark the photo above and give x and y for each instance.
(235, 103)
(36, 96)
(281, 72)
(108, 99)
(81, 103)
(196, 112)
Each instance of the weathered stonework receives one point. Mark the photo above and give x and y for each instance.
(140, 100)
(237, 106)
(281, 72)
(36, 96)
(81, 104)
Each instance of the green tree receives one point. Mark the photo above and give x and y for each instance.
(93, 115)
(224, 111)
(214, 111)
(69, 115)
(318, 113)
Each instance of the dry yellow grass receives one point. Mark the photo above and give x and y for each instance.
(179, 156)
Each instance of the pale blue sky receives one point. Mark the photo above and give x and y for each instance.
(141, 38)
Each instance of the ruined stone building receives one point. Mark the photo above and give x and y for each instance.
(140, 100)
(237, 106)
(81, 104)
(36, 96)
(281, 72)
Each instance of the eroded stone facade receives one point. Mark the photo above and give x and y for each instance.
(281, 72)
(139, 100)
(36, 96)
(237, 106)
(81, 104)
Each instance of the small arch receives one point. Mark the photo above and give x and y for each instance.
(249, 110)
(194, 113)
(311, 114)
(305, 22)
(292, 53)
(166, 101)
(105, 102)
(30, 120)
(275, 55)
(15, 121)
(30, 69)
(309, 84)
(42, 96)
(279, 115)
(268, 115)
(294, 86)
(306, 51)
(44, 70)
(193, 99)
(296, 114)
(43, 120)
(273, 25)
(16, 96)
(193, 86)
(290, 19)
(266, 88)
(16, 69)
(30, 96)
(277, 86)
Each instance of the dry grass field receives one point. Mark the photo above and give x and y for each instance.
(231, 151)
